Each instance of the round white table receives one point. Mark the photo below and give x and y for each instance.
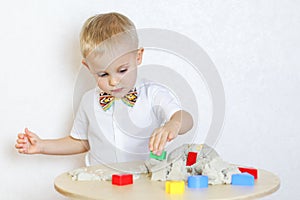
(144, 188)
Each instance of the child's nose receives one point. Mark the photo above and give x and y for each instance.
(113, 81)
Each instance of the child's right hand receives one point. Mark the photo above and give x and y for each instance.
(28, 143)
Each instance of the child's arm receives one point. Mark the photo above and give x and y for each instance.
(180, 122)
(30, 143)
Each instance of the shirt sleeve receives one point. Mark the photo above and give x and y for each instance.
(80, 124)
(164, 102)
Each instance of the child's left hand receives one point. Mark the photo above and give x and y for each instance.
(163, 135)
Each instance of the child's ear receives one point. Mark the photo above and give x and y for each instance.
(140, 56)
(83, 61)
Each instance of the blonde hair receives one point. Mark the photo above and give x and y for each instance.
(101, 27)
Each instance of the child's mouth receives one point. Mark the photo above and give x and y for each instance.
(117, 90)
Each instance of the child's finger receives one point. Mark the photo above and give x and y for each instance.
(156, 142)
(28, 133)
(151, 143)
(23, 150)
(152, 140)
(31, 137)
(21, 135)
(21, 141)
(171, 136)
(20, 150)
(19, 146)
(162, 142)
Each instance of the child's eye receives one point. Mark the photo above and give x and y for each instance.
(123, 70)
(102, 74)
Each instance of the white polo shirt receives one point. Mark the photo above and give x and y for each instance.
(122, 133)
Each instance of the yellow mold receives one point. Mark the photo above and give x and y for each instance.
(175, 187)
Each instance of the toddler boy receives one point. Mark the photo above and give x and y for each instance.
(122, 119)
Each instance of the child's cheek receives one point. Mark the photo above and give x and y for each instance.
(102, 84)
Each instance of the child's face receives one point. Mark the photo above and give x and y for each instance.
(119, 76)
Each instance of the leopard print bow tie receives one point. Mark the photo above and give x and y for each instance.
(106, 100)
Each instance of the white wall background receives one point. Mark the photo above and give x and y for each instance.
(254, 44)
